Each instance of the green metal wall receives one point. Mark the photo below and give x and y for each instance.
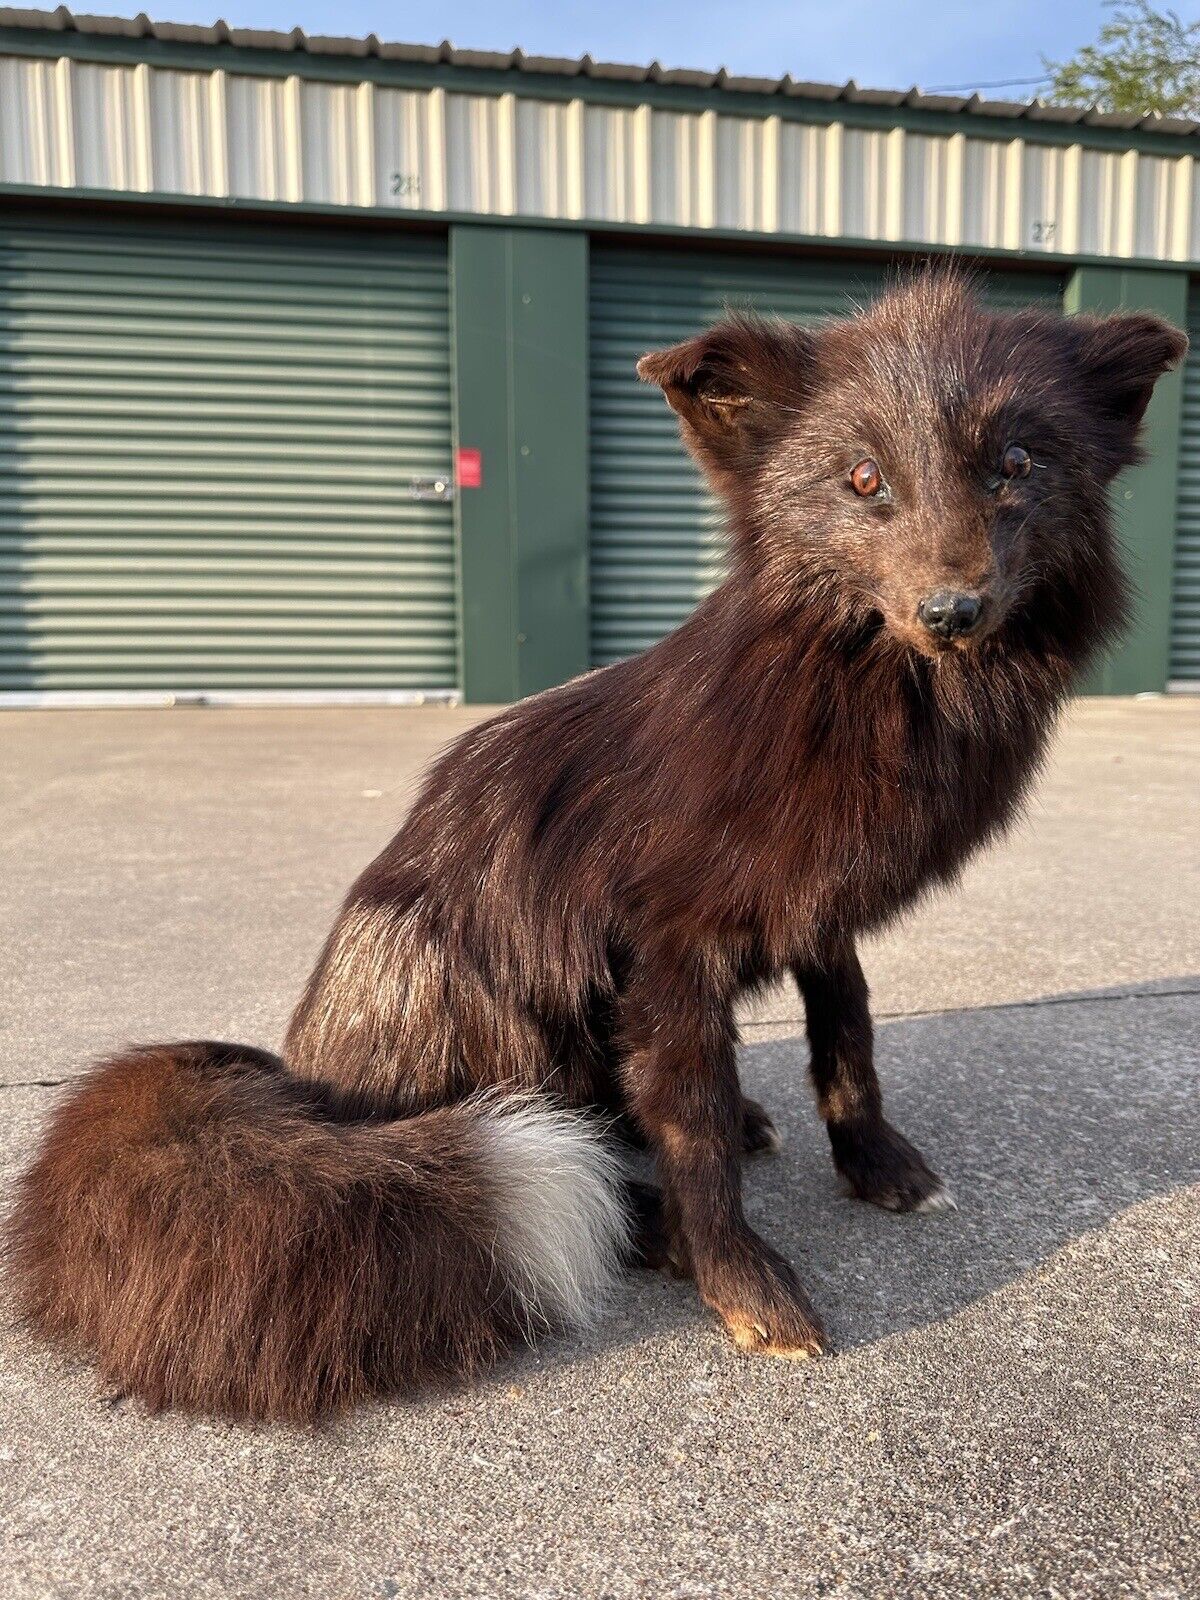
(521, 388)
(656, 542)
(1144, 498)
(208, 436)
(1185, 596)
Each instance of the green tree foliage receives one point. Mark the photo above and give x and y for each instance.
(1144, 60)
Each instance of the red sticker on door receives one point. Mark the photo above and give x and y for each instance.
(469, 468)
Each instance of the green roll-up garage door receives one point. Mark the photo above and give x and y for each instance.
(1185, 595)
(209, 436)
(656, 541)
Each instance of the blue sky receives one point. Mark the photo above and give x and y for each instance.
(880, 43)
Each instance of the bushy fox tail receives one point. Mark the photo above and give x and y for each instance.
(219, 1237)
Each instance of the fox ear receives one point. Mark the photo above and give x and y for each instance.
(1122, 357)
(721, 381)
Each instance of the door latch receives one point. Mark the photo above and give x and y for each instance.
(431, 489)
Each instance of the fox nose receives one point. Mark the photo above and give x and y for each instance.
(949, 614)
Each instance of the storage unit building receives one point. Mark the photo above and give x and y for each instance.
(215, 434)
(317, 356)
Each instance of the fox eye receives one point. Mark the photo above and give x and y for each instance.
(866, 479)
(1016, 462)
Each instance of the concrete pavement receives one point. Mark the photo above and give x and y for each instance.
(1013, 1409)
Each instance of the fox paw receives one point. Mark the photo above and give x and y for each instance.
(764, 1309)
(760, 1136)
(879, 1165)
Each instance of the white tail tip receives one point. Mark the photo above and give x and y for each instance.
(562, 1229)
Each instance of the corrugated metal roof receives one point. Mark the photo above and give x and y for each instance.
(141, 27)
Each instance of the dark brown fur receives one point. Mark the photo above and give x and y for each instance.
(232, 1249)
(589, 881)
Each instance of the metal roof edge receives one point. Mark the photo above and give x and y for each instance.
(63, 20)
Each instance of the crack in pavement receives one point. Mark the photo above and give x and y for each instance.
(1000, 1005)
(795, 1022)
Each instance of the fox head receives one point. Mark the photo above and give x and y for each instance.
(929, 468)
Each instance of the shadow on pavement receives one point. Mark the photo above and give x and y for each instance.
(1046, 1119)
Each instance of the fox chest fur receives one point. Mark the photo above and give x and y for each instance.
(868, 820)
(821, 810)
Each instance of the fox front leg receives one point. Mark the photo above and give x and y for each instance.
(680, 1077)
(877, 1163)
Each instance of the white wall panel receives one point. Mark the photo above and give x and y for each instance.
(110, 107)
(683, 173)
(1043, 168)
(617, 147)
(984, 163)
(480, 153)
(187, 133)
(549, 156)
(747, 174)
(923, 199)
(802, 178)
(140, 128)
(1163, 201)
(1100, 171)
(263, 138)
(337, 144)
(27, 116)
(409, 132)
(870, 182)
